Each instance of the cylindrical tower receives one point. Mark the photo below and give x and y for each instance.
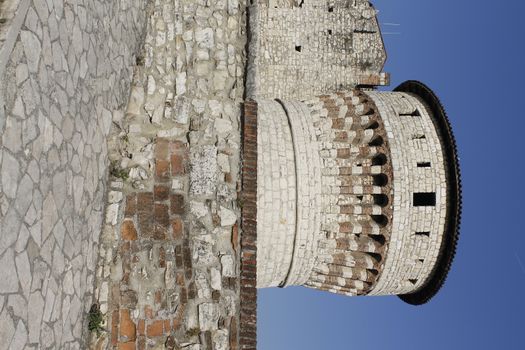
(358, 193)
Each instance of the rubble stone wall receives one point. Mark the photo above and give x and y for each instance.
(300, 49)
(169, 270)
(65, 71)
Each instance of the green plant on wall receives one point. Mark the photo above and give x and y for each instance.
(95, 320)
(116, 171)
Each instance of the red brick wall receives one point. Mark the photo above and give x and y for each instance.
(248, 328)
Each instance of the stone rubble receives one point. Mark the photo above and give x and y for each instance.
(167, 275)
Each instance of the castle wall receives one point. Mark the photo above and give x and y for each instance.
(169, 273)
(65, 72)
(306, 48)
(276, 195)
(356, 207)
(288, 194)
(418, 167)
(368, 214)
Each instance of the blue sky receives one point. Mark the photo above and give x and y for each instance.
(471, 53)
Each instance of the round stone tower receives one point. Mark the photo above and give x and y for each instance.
(358, 193)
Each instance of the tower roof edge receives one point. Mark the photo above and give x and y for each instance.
(453, 215)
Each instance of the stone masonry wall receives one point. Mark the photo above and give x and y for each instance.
(382, 193)
(300, 49)
(169, 270)
(276, 195)
(418, 167)
(324, 195)
(65, 70)
(356, 193)
(289, 210)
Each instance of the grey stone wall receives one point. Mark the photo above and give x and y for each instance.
(65, 69)
(300, 49)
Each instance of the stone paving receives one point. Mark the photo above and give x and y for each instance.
(65, 68)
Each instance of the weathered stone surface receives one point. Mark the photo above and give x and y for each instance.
(228, 266)
(10, 174)
(35, 311)
(20, 337)
(49, 216)
(220, 339)
(23, 271)
(10, 227)
(208, 316)
(7, 330)
(32, 48)
(203, 170)
(156, 247)
(8, 275)
(65, 71)
(227, 216)
(205, 38)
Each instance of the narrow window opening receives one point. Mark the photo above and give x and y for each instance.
(413, 281)
(301, 3)
(421, 260)
(413, 114)
(423, 234)
(330, 9)
(364, 31)
(298, 48)
(423, 164)
(329, 31)
(418, 137)
(360, 198)
(424, 199)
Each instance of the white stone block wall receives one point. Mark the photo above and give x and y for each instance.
(357, 160)
(300, 49)
(308, 178)
(348, 252)
(276, 195)
(289, 189)
(417, 232)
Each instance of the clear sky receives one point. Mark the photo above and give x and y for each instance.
(472, 54)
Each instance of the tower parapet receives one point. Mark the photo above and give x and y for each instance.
(358, 193)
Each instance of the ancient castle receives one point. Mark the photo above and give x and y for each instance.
(160, 160)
